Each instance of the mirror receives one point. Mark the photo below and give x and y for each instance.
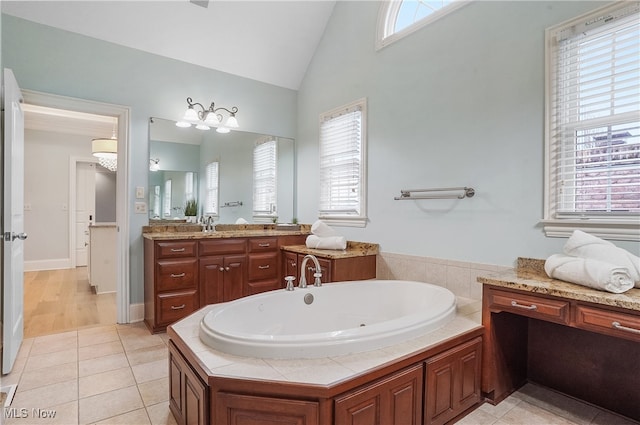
(182, 156)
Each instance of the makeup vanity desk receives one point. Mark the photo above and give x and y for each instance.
(579, 341)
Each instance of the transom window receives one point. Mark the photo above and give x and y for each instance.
(398, 18)
(593, 124)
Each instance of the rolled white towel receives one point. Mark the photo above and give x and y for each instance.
(589, 272)
(329, 242)
(584, 245)
(322, 229)
(241, 221)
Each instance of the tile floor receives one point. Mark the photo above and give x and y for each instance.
(117, 375)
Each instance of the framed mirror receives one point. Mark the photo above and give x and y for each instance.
(188, 162)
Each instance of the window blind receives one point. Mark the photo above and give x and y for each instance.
(167, 198)
(264, 178)
(188, 186)
(594, 116)
(341, 163)
(212, 182)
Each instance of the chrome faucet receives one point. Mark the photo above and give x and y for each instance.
(317, 275)
(209, 226)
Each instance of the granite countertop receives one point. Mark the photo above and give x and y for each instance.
(530, 276)
(220, 234)
(354, 249)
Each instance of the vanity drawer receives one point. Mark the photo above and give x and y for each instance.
(608, 322)
(263, 244)
(535, 307)
(263, 266)
(175, 306)
(176, 274)
(173, 249)
(223, 247)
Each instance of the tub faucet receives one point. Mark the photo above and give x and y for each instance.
(317, 275)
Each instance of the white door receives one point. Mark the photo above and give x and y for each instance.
(85, 208)
(13, 211)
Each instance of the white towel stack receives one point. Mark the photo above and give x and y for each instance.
(241, 221)
(596, 263)
(324, 237)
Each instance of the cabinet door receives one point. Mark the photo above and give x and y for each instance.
(394, 400)
(211, 280)
(237, 409)
(325, 269)
(188, 396)
(452, 382)
(291, 265)
(235, 276)
(175, 385)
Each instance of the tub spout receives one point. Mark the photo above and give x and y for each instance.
(317, 275)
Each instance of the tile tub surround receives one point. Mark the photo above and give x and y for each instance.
(458, 276)
(323, 371)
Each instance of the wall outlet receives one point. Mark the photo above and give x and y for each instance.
(141, 207)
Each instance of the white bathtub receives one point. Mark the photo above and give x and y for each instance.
(343, 318)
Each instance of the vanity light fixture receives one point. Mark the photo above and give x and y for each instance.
(106, 150)
(153, 164)
(204, 118)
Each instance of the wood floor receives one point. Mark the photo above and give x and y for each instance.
(62, 300)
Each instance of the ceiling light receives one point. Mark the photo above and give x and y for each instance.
(154, 164)
(106, 150)
(205, 118)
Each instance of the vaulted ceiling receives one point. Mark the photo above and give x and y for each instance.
(268, 41)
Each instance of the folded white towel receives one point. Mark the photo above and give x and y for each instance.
(328, 242)
(241, 221)
(589, 272)
(584, 245)
(320, 228)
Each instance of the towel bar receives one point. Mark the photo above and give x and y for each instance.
(464, 192)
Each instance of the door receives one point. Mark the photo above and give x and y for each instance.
(13, 222)
(85, 208)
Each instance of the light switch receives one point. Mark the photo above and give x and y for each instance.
(139, 192)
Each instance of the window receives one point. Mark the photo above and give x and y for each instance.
(211, 188)
(188, 186)
(342, 165)
(592, 145)
(399, 18)
(167, 198)
(264, 177)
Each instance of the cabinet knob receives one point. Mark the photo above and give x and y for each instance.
(221, 269)
(226, 268)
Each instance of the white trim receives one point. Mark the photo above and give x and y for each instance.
(73, 168)
(389, 9)
(122, 113)
(616, 230)
(52, 264)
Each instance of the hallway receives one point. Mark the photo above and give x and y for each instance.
(62, 300)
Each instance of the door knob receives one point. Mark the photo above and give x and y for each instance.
(10, 236)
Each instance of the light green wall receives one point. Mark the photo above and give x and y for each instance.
(458, 103)
(59, 62)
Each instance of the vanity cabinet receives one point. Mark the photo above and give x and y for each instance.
(171, 282)
(393, 400)
(453, 382)
(223, 269)
(333, 269)
(238, 409)
(263, 273)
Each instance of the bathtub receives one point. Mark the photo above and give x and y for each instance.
(334, 319)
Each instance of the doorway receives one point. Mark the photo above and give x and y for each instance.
(78, 278)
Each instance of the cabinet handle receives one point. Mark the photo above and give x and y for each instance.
(180, 307)
(177, 249)
(263, 267)
(526, 307)
(178, 275)
(618, 326)
(264, 245)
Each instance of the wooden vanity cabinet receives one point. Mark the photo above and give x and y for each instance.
(171, 282)
(333, 269)
(188, 395)
(263, 270)
(223, 269)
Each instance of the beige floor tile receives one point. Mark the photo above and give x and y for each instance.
(51, 359)
(102, 364)
(56, 342)
(136, 342)
(45, 396)
(136, 417)
(93, 329)
(528, 414)
(154, 392)
(150, 371)
(105, 381)
(501, 408)
(160, 414)
(85, 339)
(109, 404)
(99, 350)
(148, 354)
(478, 417)
(559, 404)
(40, 377)
(63, 414)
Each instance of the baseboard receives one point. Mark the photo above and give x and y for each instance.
(136, 312)
(54, 264)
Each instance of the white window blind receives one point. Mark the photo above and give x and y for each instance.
(167, 198)
(211, 191)
(342, 185)
(593, 116)
(188, 186)
(265, 154)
